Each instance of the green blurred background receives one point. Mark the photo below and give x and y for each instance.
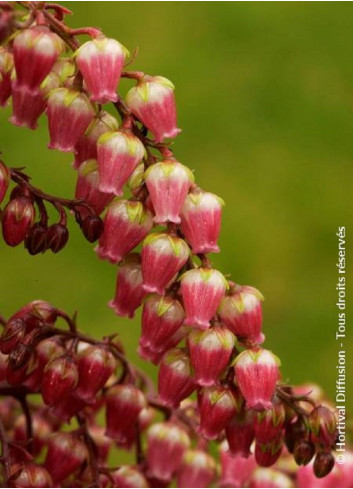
(265, 97)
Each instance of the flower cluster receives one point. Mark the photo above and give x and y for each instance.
(202, 330)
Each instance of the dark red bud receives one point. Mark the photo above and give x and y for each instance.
(36, 241)
(20, 356)
(17, 220)
(92, 228)
(294, 432)
(57, 237)
(12, 335)
(21, 191)
(4, 180)
(59, 379)
(323, 464)
(303, 452)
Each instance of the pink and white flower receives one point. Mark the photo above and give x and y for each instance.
(152, 102)
(168, 183)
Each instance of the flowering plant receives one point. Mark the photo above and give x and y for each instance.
(222, 415)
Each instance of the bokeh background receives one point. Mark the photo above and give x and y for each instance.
(265, 97)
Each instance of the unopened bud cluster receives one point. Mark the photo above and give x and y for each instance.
(202, 330)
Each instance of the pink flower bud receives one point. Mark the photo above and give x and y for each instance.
(162, 316)
(210, 352)
(126, 224)
(124, 403)
(241, 312)
(269, 423)
(235, 470)
(95, 365)
(162, 258)
(6, 65)
(202, 290)
(86, 146)
(197, 469)
(66, 452)
(201, 221)
(166, 444)
(4, 180)
(323, 426)
(35, 51)
(30, 475)
(271, 478)
(240, 433)
(69, 114)
(59, 379)
(127, 476)
(266, 454)
(168, 183)
(119, 153)
(174, 378)
(152, 101)
(17, 219)
(101, 61)
(217, 405)
(257, 373)
(87, 188)
(129, 292)
(28, 105)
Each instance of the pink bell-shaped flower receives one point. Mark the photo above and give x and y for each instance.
(162, 257)
(155, 355)
(267, 454)
(257, 373)
(66, 453)
(126, 476)
(240, 433)
(241, 312)
(201, 221)
(124, 403)
(202, 290)
(17, 219)
(268, 424)
(126, 224)
(6, 65)
(210, 352)
(101, 61)
(217, 405)
(152, 101)
(87, 188)
(35, 51)
(29, 105)
(174, 378)
(86, 146)
(197, 469)
(265, 477)
(166, 445)
(95, 365)
(129, 292)
(236, 470)
(119, 153)
(162, 316)
(69, 115)
(168, 183)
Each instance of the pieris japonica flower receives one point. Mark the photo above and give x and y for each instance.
(101, 61)
(153, 102)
